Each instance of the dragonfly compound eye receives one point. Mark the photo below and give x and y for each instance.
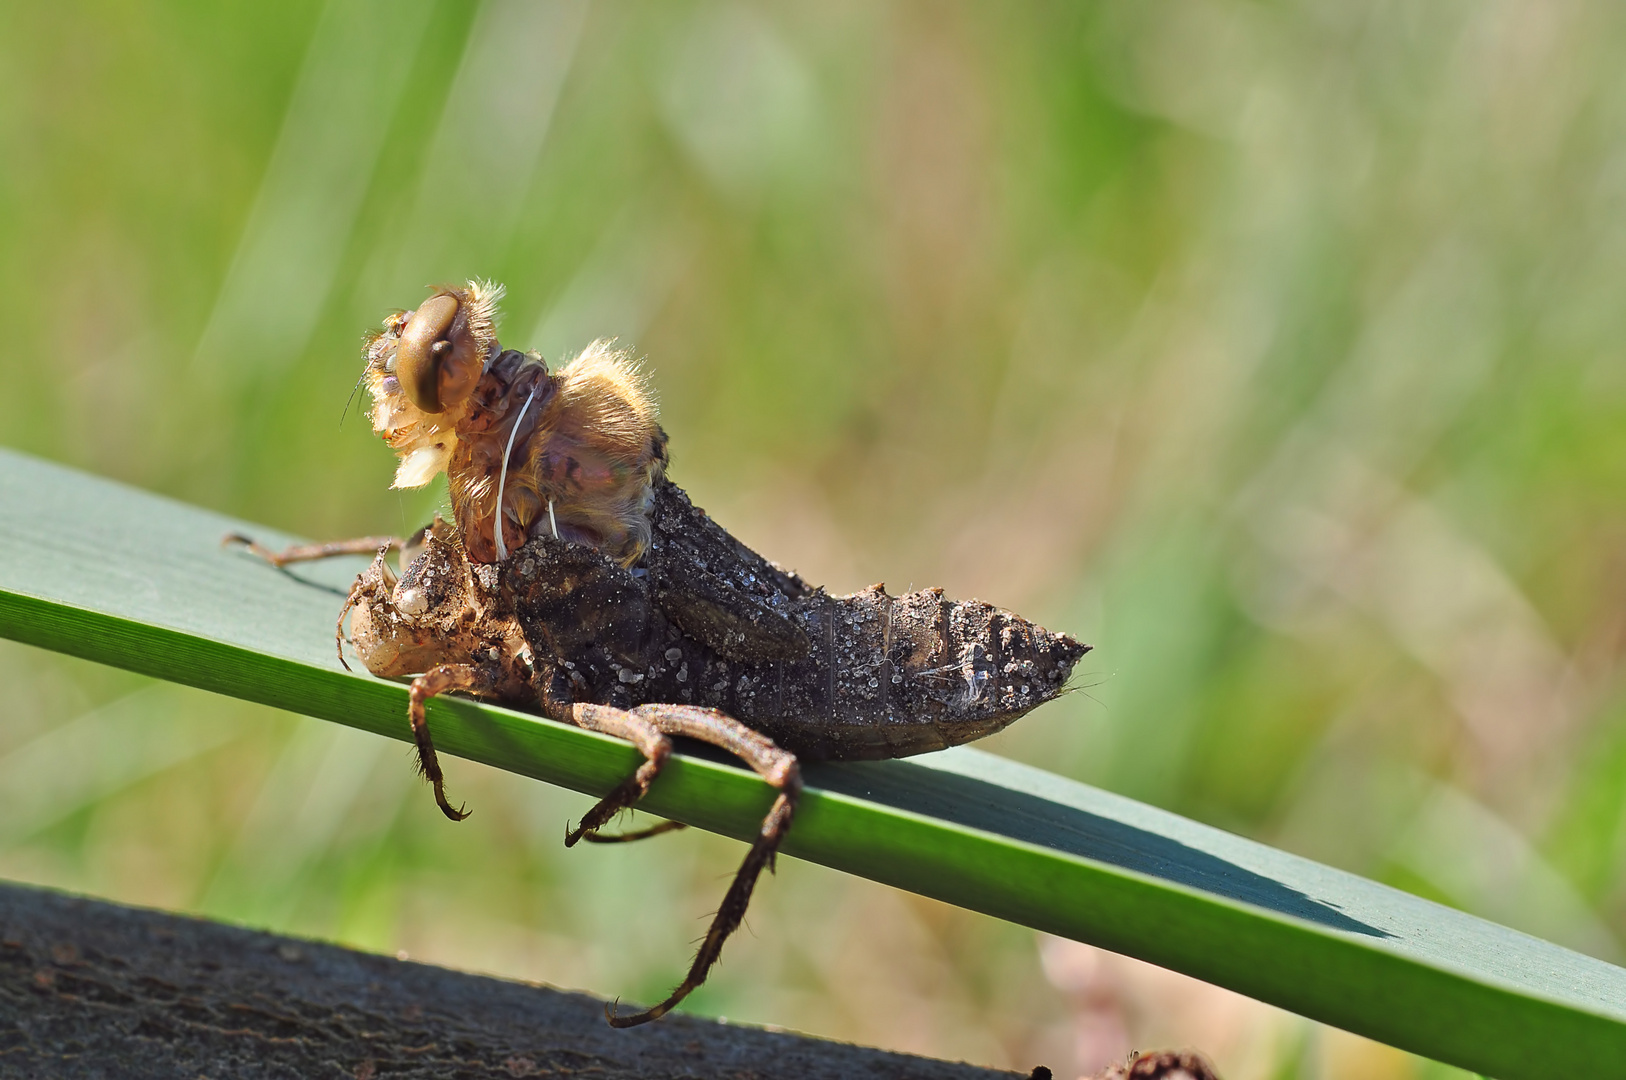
(437, 358)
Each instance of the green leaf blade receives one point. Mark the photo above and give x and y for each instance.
(101, 571)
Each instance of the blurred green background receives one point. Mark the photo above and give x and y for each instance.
(1273, 348)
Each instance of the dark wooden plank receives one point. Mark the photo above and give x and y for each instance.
(92, 989)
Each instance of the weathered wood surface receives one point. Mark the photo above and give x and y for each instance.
(92, 989)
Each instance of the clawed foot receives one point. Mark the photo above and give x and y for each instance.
(729, 915)
(474, 679)
(650, 727)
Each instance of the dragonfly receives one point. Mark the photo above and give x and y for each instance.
(574, 578)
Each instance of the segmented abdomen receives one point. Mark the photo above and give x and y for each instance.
(891, 676)
(704, 620)
(861, 676)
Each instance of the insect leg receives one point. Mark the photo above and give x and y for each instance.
(362, 545)
(778, 768)
(357, 591)
(597, 837)
(475, 679)
(656, 748)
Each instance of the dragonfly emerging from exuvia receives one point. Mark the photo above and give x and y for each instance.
(574, 578)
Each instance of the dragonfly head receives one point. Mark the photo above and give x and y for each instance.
(440, 356)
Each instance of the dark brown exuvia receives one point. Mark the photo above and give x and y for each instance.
(575, 579)
(704, 620)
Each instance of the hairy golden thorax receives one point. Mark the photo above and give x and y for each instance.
(574, 453)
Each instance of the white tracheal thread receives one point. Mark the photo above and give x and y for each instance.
(502, 479)
(553, 520)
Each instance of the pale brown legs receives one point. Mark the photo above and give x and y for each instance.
(649, 727)
(361, 545)
(732, 910)
(640, 732)
(473, 679)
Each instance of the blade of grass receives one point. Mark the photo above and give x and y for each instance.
(99, 570)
